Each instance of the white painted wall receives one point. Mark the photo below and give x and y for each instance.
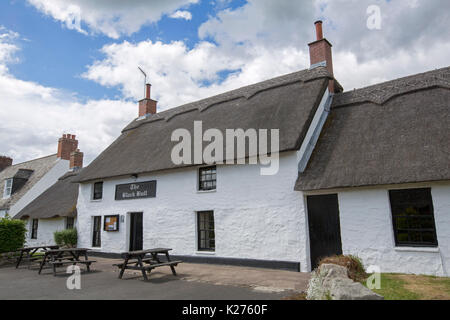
(256, 217)
(46, 228)
(367, 231)
(59, 169)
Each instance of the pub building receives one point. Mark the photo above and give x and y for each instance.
(363, 172)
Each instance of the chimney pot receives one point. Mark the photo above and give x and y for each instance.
(147, 90)
(319, 29)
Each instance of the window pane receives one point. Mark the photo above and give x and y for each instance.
(413, 217)
(98, 190)
(206, 233)
(207, 178)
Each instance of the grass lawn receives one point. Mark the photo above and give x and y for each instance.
(413, 287)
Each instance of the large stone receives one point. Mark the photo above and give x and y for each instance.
(347, 289)
(333, 271)
(331, 282)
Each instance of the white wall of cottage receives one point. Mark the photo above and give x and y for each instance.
(256, 217)
(46, 228)
(367, 231)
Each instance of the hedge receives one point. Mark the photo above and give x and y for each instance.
(67, 238)
(12, 234)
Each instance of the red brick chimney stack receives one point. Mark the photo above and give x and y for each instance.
(66, 145)
(321, 54)
(5, 162)
(76, 159)
(147, 105)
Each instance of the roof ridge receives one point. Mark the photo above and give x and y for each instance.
(382, 92)
(201, 105)
(20, 163)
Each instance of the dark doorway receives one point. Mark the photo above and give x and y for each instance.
(136, 231)
(324, 227)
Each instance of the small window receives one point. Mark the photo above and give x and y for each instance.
(98, 191)
(206, 234)
(96, 234)
(207, 178)
(70, 223)
(8, 188)
(34, 228)
(413, 217)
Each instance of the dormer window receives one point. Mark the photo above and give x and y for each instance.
(8, 188)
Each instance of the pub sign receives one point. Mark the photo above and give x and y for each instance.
(137, 190)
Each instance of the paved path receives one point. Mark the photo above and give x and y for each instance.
(195, 282)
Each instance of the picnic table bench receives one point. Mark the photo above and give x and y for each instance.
(60, 257)
(30, 252)
(146, 261)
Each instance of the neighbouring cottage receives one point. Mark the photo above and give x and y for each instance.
(346, 194)
(22, 183)
(56, 208)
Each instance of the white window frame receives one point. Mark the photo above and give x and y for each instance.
(8, 190)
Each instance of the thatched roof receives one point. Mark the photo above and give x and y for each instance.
(60, 200)
(287, 103)
(392, 133)
(30, 172)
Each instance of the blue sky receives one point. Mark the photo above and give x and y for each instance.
(55, 56)
(59, 77)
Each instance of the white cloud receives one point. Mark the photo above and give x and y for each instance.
(33, 117)
(180, 75)
(181, 14)
(264, 38)
(113, 18)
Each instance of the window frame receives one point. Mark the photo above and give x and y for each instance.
(200, 182)
(94, 238)
(209, 248)
(394, 216)
(34, 229)
(94, 198)
(6, 194)
(72, 219)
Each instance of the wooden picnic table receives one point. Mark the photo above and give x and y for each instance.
(60, 257)
(30, 251)
(146, 261)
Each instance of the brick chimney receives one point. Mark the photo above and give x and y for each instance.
(321, 54)
(5, 162)
(66, 145)
(147, 105)
(76, 159)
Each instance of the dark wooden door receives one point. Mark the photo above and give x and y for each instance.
(136, 231)
(324, 227)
